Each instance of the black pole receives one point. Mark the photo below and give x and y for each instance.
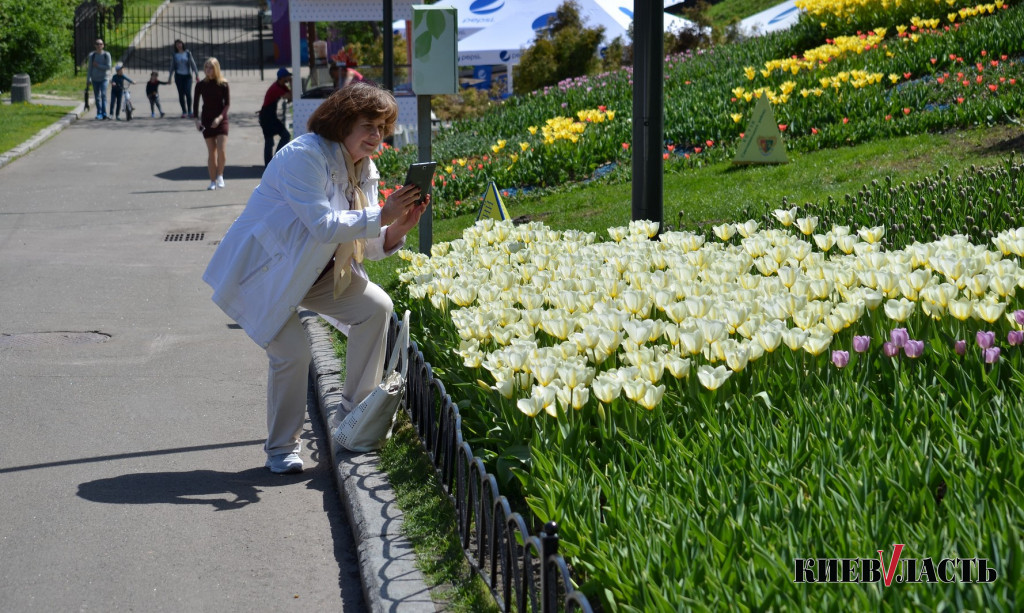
(259, 28)
(423, 134)
(648, 121)
(389, 47)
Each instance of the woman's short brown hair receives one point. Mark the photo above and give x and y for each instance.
(338, 114)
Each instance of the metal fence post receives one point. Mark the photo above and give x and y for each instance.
(548, 576)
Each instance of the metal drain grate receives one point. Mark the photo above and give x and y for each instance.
(175, 237)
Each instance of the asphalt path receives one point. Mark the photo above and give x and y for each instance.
(133, 410)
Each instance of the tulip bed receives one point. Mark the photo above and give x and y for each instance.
(699, 411)
(939, 66)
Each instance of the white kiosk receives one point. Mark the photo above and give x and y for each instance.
(339, 10)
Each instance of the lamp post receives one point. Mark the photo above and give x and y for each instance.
(648, 118)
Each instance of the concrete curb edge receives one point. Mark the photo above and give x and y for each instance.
(387, 563)
(42, 136)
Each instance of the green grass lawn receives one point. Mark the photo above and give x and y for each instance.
(19, 122)
(728, 11)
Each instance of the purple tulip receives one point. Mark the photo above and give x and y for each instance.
(985, 338)
(890, 350)
(991, 355)
(1015, 337)
(840, 358)
(1018, 316)
(861, 343)
(913, 349)
(899, 337)
(960, 347)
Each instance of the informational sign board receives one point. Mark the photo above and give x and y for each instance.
(434, 37)
(762, 143)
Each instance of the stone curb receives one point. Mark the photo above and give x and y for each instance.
(42, 136)
(387, 563)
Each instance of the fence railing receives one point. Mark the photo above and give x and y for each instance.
(520, 569)
(143, 39)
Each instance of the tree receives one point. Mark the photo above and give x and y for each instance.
(29, 40)
(563, 50)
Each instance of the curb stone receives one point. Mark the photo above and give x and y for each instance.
(42, 136)
(387, 563)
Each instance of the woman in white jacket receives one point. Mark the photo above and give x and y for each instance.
(300, 242)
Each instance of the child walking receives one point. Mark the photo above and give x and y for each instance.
(117, 89)
(154, 95)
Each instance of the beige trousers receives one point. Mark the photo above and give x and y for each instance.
(367, 309)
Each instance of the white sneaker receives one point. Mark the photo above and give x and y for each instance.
(284, 463)
(213, 185)
(220, 182)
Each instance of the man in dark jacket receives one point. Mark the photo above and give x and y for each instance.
(270, 122)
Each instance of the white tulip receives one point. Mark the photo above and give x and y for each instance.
(713, 378)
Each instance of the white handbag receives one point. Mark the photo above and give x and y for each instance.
(369, 425)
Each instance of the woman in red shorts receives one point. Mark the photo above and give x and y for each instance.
(212, 118)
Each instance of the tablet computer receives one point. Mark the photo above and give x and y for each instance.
(421, 174)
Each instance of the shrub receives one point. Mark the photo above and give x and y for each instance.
(29, 42)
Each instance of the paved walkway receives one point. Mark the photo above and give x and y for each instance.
(134, 410)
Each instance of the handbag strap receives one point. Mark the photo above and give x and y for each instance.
(401, 347)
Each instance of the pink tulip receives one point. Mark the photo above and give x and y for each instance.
(913, 349)
(1018, 316)
(960, 347)
(985, 338)
(899, 337)
(840, 358)
(861, 343)
(1015, 337)
(890, 350)
(991, 355)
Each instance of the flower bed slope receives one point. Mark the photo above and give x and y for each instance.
(830, 87)
(699, 411)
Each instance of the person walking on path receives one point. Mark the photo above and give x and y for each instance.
(117, 90)
(153, 93)
(270, 122)
(300, 243)
(100, 63)
(211, 108)
(183, 66)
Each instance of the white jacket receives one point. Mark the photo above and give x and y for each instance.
(274, 252)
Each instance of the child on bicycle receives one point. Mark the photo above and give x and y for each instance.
(154, 95)
(117, 89)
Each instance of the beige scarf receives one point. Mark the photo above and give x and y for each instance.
(350, 251)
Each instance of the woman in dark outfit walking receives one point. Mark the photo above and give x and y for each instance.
(211, 108)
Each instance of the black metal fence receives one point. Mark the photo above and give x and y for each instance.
(524, 572)
(143, 40)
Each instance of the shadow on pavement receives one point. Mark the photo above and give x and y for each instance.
(198, 173)
(224, 491)
(129, 455)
